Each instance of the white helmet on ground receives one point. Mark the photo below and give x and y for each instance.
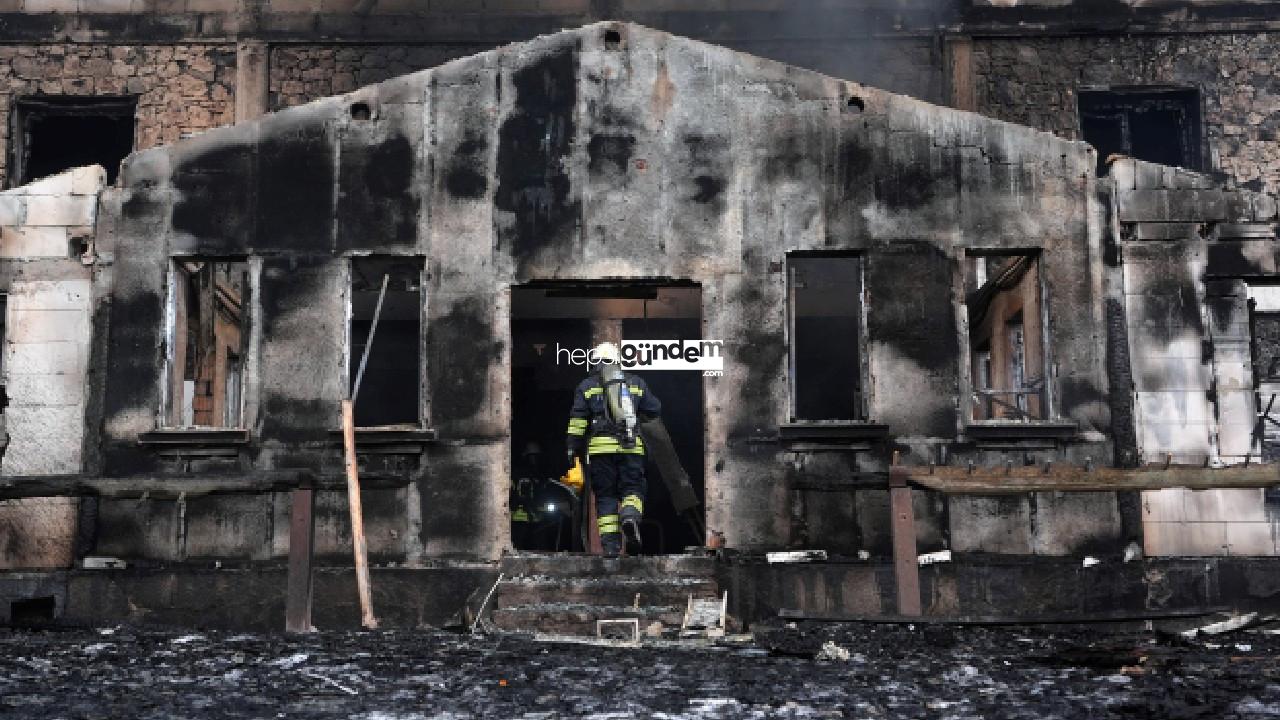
(606, 352)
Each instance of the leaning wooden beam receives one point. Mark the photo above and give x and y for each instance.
(1072, 478)
(170, 487)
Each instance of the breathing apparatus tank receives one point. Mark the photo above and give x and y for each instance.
(622, 409)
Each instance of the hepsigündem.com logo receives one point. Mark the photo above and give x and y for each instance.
(705, 355)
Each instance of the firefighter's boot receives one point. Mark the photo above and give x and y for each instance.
(610, 535)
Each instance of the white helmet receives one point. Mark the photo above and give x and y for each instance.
(606, 352)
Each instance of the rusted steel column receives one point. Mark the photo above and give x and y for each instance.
(302, 533)
(906, 568)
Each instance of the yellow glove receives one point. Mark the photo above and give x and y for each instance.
(573, 478)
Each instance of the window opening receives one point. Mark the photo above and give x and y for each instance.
(209, 330)
(53, 134)
(826, 333)
(1007, 358)
(1160, 125)
(390, 391)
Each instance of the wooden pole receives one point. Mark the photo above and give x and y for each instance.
(357, 518)
(358, 545)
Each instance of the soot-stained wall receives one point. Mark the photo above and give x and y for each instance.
(586, 156)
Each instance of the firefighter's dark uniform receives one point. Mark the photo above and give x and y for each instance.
(616, 471)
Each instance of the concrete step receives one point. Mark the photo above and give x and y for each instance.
(582, 565)
(609, 590)
(580, 619)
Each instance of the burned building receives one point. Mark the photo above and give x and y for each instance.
(942, 331)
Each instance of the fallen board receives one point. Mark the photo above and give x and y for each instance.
(657, 443)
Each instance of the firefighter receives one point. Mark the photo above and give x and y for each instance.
(608, 407)
(524, 510)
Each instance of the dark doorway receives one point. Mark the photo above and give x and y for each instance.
(53, 134)
(557, 318)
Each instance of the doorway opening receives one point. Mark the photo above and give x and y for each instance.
(548, 322)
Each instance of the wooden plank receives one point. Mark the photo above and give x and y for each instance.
(1069, 478)
(906, 571)
(302, 533)
(358, 545)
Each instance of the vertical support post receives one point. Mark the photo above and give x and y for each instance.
(589, 512)
(302, 533)
(958, 65)
(906, 567)
(251, 79)
(358, 546)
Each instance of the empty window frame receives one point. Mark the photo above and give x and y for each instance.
(4, 377)
(825, 324)
(1156, 124)
(1003, 299)
(391, 386)
(56, 133)
(1264, 326)
(208, 331)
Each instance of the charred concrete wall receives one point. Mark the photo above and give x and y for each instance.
(584, 156)
(46, 276)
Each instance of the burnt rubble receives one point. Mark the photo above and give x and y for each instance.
(860, 671)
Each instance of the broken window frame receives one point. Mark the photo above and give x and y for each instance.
(861, 410)
(1124, 100)
(29, 108)
(170, 414)
(350, 361)
(4, 371)
(969, 383)
(1264, 301)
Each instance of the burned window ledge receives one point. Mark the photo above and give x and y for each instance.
(195, 441)
(389, 438)
(816, 435)
(1037, 430)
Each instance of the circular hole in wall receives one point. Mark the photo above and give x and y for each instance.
(855, 105)
(612, 39)
(361, 111)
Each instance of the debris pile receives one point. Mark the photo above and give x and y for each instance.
(790, 670)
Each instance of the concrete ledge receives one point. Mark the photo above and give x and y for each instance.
(248, 599)
(1034, 589)
(1001, 587)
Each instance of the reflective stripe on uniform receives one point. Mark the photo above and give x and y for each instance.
(577, 426)
(592, 392)
(633, 501)
(635, 390)
(519, 515)
(608, 524)
(607, 445)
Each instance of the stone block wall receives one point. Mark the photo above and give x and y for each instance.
(302, 73)
(181, 89)
(48, 330)
(1189, 251)
(1033, 81)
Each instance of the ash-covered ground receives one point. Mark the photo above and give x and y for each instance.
(810, 671)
